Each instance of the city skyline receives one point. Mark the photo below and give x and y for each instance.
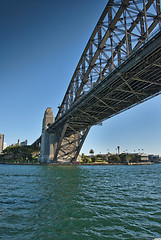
(40, 46)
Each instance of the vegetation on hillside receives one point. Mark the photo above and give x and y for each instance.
(111, 159)
(20, 154)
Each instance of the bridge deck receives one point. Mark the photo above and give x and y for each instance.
(134, 81)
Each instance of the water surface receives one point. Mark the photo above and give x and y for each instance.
(80, 202)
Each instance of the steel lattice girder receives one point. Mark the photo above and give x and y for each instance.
(119, 68)
(134, 81)
(70, 144)
(122, 28)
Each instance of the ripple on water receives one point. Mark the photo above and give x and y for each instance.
(87, 202)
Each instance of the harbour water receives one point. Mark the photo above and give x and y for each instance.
(80, 202)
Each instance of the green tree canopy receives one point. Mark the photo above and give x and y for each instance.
(91, 151)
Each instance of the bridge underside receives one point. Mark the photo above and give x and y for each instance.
(120, 67)
(133, 82)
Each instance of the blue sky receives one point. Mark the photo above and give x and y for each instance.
(40, 45)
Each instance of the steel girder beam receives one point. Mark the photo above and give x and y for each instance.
(37, 142)
(115, 72)
(70, 143)
(98, 105)
(122, 28)
(113, 95)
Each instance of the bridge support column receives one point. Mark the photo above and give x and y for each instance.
(62, 145)
(46, 150)
(69, 145)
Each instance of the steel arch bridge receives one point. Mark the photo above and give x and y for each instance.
(119, 68)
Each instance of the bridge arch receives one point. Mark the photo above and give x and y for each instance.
(119, 68)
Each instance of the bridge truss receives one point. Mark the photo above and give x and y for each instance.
(119, 68)
(122, 28)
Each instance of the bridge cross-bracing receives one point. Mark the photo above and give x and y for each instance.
(119, 68)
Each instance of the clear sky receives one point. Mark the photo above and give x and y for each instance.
(40, 45)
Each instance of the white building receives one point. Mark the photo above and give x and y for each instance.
(143, 157)
(24, 143)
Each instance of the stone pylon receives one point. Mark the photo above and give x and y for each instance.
(60, 144)
(46, 153)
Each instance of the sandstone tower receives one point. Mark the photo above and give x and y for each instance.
(1, 142)
(45, 152)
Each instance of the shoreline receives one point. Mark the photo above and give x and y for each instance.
(79, 164)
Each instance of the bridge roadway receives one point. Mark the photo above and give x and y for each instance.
(133, 82)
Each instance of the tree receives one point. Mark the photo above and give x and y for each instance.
(84, 158)
(22, 153)
(91, 151)
(114, 159)
(94, 159)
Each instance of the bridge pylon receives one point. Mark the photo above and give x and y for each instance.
(63, 144)
(45, 148)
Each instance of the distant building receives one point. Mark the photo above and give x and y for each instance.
(143, 157)
(24, 143)
(154, 158)
(1, 142)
